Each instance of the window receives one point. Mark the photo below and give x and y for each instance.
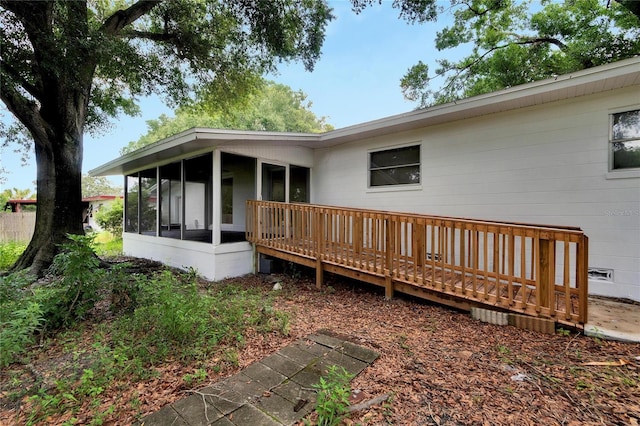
(299, 184)
(171, 200)
(132, 183)
(625, 140)
(397, 166)
(227, 200)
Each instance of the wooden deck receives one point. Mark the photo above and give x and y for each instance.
(530, 269)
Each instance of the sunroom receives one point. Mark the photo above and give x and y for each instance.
(185, 202)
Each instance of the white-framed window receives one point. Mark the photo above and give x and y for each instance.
(624, 140)
(394, 166)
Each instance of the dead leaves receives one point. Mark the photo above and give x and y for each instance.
(437, 366)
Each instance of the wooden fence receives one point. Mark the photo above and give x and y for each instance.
(531, 269)
(17, 226)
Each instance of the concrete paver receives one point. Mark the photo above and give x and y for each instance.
(276, 391)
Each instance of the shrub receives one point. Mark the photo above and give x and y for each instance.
(110, 219)
(80, 283)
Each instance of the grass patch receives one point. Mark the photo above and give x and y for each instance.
(9, 253)
(107, 245)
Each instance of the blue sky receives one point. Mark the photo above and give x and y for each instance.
(356, 80)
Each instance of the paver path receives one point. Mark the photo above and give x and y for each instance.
(277, 390)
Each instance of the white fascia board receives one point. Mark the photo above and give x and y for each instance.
(612, 76)
(194, 140)
(607, 77)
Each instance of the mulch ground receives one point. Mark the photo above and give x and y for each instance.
(438, 366)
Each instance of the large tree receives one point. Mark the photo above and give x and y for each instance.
(67, 66)
(271, 107)
(514, 42)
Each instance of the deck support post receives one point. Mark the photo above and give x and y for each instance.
(319, 273)
(388, 286)
(256, 259)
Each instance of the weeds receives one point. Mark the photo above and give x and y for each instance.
(332, 403)
(197, 377)
(158, 317)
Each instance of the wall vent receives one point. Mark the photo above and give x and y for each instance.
(601, 274)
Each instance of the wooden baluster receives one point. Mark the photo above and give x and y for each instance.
(566, 280)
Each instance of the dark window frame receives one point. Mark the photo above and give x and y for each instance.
(385, 164)
(619, 141)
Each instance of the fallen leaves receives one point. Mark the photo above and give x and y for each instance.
(437, 366)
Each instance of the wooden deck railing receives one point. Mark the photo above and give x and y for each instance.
(530, 269)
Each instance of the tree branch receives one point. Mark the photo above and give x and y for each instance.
(120, 19)
(25, 110)
(149, 35)
(30, 88)
(497, 4)
(542, 40)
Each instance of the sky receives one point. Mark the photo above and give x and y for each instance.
(357, 79)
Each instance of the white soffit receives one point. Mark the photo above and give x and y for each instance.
(604, 78)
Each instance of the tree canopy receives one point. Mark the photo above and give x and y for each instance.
(66, 67)
(14, 194)
(515, 42)
(93, 186)
(270, 107)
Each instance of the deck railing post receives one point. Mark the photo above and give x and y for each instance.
(546, 269)
(582, 278)
(389, 225)
(318, 236)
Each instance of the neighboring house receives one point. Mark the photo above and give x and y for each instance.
(17, 225)
(563, 151)
(94, 204)
(17, 206)
(91, 205)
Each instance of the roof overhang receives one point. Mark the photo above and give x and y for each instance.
(617, 75)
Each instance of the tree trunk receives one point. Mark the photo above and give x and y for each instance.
(59, 208)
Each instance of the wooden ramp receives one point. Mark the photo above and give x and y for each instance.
(529, 269)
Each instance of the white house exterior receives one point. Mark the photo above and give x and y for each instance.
(557, 152)
(94, 205)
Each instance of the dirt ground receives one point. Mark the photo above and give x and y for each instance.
(613, 315)
(438, 366)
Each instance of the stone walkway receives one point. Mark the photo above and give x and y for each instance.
(277, 390)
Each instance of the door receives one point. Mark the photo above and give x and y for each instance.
(274, 182)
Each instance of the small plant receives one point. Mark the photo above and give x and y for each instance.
(403, 343)
(598, 335)
(196, 378)
(332, 404)
(504, 350)
(562, 332)
(387, 407)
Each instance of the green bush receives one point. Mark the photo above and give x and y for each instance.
(81, 280)
(110, 219)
